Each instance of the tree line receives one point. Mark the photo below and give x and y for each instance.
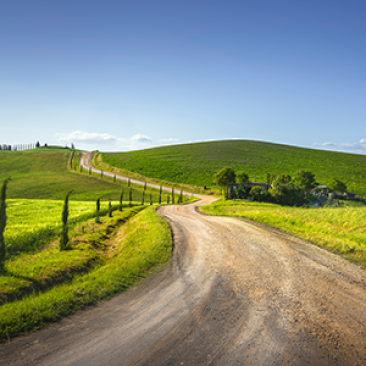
(283, 189)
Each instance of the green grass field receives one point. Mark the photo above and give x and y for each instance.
(339, 229)
(44, 174)
(195, 164)
(41, 284)
(105, 259)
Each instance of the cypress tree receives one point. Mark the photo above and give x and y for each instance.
(121, 201)
(101, 173)
(145, 187)
(130, 198)
(3, 222)
(160, 195)
(97, 211)
(129, 182)
(180, 199)
(114, 178)
(143, 198)
(109, 208)
(64, 233)
(151, 202)
(172, 196)
(89, 171)
(167, 199)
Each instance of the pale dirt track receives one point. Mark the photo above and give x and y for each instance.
(237, 293)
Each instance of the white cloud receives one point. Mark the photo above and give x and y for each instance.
(87, 137)
(105, 141)
(141, 139)
(355, 147)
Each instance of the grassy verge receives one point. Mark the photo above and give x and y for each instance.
(142, 247)
(339, 229)
(34, 223)
(27, 273)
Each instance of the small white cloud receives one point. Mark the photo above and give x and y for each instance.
(141, 139)
(87, 137)
(355, 147)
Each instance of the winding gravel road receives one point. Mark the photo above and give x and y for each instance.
(237, 293)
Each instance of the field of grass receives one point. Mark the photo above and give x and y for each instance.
(195, 164)
(105, 259)
(44, 174)
(339, 229)
(34, 223)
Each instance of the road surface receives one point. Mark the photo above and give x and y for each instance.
(237, 293)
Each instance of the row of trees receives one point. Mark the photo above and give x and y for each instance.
(20, 147)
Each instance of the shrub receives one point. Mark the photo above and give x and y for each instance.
(287, 195)
(256, 194)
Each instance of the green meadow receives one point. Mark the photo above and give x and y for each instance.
(105, 259)
(195, 164)
(45, 174)
(39, 282)
(338, 229)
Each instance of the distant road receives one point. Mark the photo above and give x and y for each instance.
(237, 293)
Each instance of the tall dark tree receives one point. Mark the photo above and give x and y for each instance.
(143, 198)
(224, 177)
(3, 222)
(242, 177)
(64, 241)
(173, 196)
(38, 144)
(304, 180)
(129, 182)
(151, 202)
(97, 220)
(145, 186)
(180, 198)
(161, 188)
(72, 146)
(110, 208)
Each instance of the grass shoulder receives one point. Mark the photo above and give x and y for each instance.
(338, 229)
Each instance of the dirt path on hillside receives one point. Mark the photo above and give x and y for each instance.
(237, 293)
(85, 162)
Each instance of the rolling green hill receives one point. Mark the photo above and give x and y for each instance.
(43, 174)
(195, 164)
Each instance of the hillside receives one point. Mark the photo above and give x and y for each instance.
(43, 174)
(195, 164)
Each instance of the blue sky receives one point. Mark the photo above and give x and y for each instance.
(120, 75)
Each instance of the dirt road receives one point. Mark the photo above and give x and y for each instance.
(237, 293)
